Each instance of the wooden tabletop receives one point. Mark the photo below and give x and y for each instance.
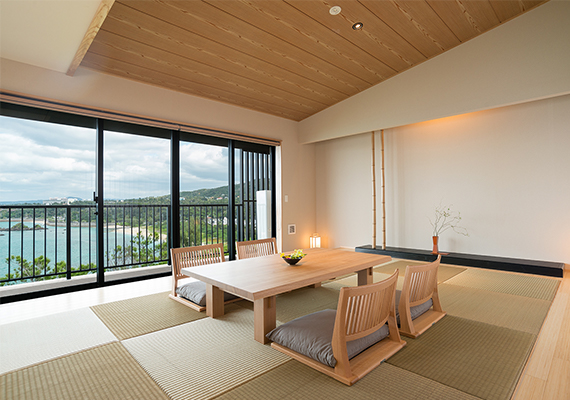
(261, 277)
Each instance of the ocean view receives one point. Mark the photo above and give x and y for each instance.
(31, 244)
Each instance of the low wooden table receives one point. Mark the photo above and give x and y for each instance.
(261, 279)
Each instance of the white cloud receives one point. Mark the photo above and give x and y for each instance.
(203, 166)
(41, 160)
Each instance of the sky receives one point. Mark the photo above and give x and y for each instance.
(40, 160)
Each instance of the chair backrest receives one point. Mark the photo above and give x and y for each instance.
(185, 257)
(420, 283)
(256, 248)
(363, 310)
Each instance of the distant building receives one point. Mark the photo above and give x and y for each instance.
(60, 200)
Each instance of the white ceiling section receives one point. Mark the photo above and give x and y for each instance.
(44, 33)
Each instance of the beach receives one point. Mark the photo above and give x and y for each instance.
(130, 230)
(135, 230)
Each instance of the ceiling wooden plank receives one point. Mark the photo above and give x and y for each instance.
(98, 19)
(203, 19)
(528, 4)
(289, 58)
(466, 19)
(376, 38)
(290, 25)
(157, 78)
(482, 13)
(416, 22)
(155, 59)
(506, 9)
(147, 29)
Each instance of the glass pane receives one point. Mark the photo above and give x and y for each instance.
(253, 174)
(203, 194)
(137, 199)
(47, 178)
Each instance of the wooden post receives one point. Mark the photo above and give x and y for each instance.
(373, 193)
(383, 196)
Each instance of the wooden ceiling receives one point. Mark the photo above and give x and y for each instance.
(287, 58)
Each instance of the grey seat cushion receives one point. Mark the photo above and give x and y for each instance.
(415, 311)
(196, 293)
(311, 336)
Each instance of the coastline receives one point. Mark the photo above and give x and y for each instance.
(134, 230)
(126, 229)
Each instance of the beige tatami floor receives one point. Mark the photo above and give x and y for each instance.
(546, 376)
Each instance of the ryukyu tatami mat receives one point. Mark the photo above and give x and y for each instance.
(352, 280)
(518, 284)
(32, 341)
(205, 358)
(509, 311)
(141, 315)
(294, 380)
(300, 302)
(107, 372)
(445, 271)
(477, 358)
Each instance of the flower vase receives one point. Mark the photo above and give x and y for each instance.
(435, 249)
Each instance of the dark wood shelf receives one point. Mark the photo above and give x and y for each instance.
(547, 268)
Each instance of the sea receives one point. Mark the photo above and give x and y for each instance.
(51, 243)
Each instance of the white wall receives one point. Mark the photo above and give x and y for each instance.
(344, 191)
(524, 59)
(506, 170)
(89, 88)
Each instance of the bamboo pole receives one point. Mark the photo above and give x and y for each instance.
(383, 196)
(373, 193)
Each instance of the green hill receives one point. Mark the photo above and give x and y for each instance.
(217, 195)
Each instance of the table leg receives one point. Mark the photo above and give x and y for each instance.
(365, 277)
(264, 317)
(214, 301)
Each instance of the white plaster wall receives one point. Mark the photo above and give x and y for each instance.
(344, 191)
(507, 170)
(295, 169)
(524, 59)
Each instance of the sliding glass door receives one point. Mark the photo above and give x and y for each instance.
(47, 223)
(253, 183)
(136, 200)
(81, 195)
(203, 194)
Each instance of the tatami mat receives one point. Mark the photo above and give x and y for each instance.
(509, 311)
(477, 351)
(445, 271)
(296, 381)
(352, 280)
(107, 372)
(32, 341)
(477, 358)
(518, 284)
(205, 358)
(300, 302)
(145, 314)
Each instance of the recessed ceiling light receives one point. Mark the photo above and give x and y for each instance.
(335, 10)
(357, 26)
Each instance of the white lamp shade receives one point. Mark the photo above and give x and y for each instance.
(315, 241)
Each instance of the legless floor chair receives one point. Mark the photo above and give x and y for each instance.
(419, 306)
(193, 294)
(348, 343)
(256, 248)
